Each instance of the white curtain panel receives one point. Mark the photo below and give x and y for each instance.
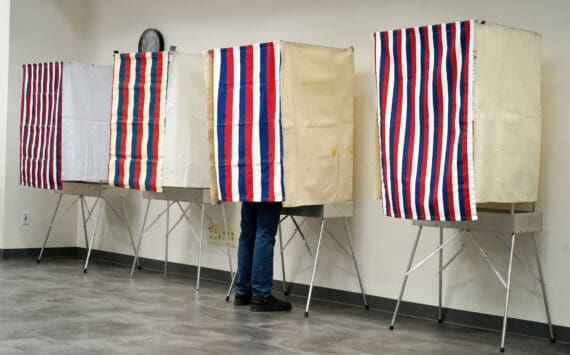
(186, 162)
(86, 106)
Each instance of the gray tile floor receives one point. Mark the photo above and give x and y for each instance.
(54, 308)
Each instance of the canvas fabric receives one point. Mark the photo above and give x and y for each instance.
(508, 118)
(314, 93)
(138, 114)
(247, 123)
(317, 100)
(186, 161)
(424, 78)
(85, 122)
(40, 125)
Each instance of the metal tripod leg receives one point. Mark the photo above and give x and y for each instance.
(129, 229)
(406, 278)
(543, 287)
(140, 239)
(507, 293)
(200, 247)
(285, 292)
(124, 222)
(315, 267)
(440, 274)
(166, 237)
(49, 227)
(93, 236)
(227, 239)
(233, 275)
(232, 284)
(349, 237)
(84, 222)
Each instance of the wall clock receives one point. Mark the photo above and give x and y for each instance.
(151, 40)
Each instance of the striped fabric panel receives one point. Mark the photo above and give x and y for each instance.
(424, 80)
(40, 126)
(247, 123)
(137, 120)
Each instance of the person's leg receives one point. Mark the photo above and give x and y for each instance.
(262, 270)
(245, 252)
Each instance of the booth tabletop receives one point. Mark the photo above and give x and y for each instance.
(495, 222)
(197, 195)
(330, 210)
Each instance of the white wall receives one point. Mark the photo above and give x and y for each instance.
(381, 244)
(4, 56)
(41, 30)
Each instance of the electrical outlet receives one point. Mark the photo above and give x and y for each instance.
(26, 218)
(215, 235)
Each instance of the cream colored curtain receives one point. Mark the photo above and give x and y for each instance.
(317, 94)
(186, 128)
(507, 114)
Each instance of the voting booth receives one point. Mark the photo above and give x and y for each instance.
(459, 119)
(64, 137)
(64, 129)
(459, 123)
(159, 138)
(281, 122)
(158, 122)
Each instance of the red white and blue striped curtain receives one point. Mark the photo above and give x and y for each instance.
(137, 120)
(424, 80)
(40, 126)
(247, 123)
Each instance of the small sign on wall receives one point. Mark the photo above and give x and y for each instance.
(215, 235)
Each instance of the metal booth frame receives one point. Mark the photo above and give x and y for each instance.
(82, 190)
(513, 223)
(325, 212)
(177, 196)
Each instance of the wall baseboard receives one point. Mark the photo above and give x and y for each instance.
(34, 252)
(411, 309)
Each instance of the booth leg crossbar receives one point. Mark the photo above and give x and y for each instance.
(315, 258)
(505, 282)
(87, 214)
(198, 235)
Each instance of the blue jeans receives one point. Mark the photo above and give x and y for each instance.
(259, 222)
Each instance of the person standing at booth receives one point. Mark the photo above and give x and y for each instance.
(259, 223)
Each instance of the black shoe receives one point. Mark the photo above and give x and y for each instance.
(242, 300)
(268, 304)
